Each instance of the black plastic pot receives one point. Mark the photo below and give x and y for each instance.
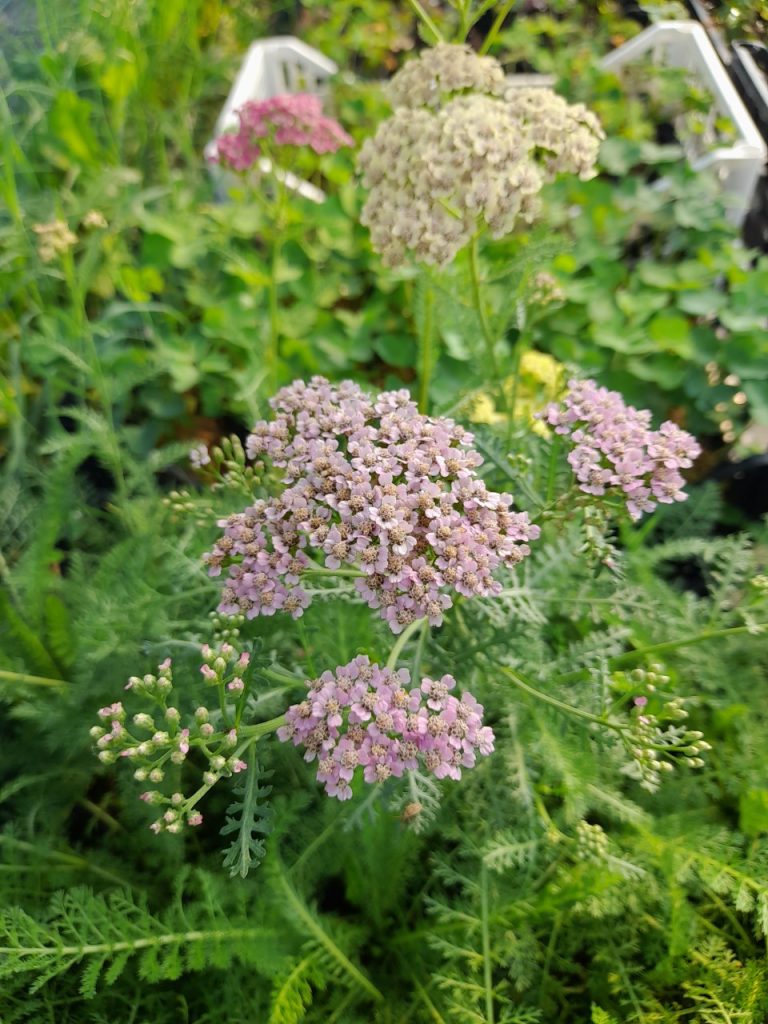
(745, 485)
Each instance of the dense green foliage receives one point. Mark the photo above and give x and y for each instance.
(547, 885)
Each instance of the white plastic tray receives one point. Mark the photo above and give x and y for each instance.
(281, 64)
(684, 44)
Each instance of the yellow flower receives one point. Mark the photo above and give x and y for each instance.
(540, 380)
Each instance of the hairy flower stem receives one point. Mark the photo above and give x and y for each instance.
(25, 677)
(621, 660)
(486, 939)
(322, 571)
(276, 676)
(169, 939)
(425, 337)
(255, 732)
(485, 326)
(402, 640)
(273, 356)
(490, 39)
(320, 935)
(568, 709)
(249, 734)
(428, 23)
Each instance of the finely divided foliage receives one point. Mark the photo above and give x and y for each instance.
(500, 650)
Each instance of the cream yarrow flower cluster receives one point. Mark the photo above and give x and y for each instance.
(54, 239)
(442, 70)
(463, 151)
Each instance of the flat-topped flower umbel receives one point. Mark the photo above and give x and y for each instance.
(293, 119)
(364, 717)
(373, 485)
(616, 451)
(464, 150)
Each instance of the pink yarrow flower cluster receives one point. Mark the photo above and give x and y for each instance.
(374, 485)
(363, 716)
(295, 119)
(615, 448)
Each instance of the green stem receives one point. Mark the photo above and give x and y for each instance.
(320, 571)
(418, 653)
(325, 940)
(490, 39)
(278, 676)
(486, 938)
(255, 732)
(485, 326)
(428, 22)
(317, 842)
(69, 859)
(171, 939)
(273, 357)
(307, 647)
(522, 345)
(426, 334)
(423, 995)
(25, 677)
(554, 453)
(250, 734)
(546, 698)
(620, 660)
(402, 640)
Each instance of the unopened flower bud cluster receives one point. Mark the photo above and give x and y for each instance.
(656, 742)
(370, 484)
(54, 239)
(227, 463)
(361, 716)
(592, 843)
(615, 451)
(155, 740)
(451, 161)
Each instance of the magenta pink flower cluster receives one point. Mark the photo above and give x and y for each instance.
(286, 120)
(616, 449)
(373, 485)
(362, 716)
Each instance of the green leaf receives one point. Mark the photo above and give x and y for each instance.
(673, 333)
(250, 819)
(659, 275)
(704, 302)
(668, 371)
(753, 811)
(69, 122)
(757, 396)
(396, 349)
